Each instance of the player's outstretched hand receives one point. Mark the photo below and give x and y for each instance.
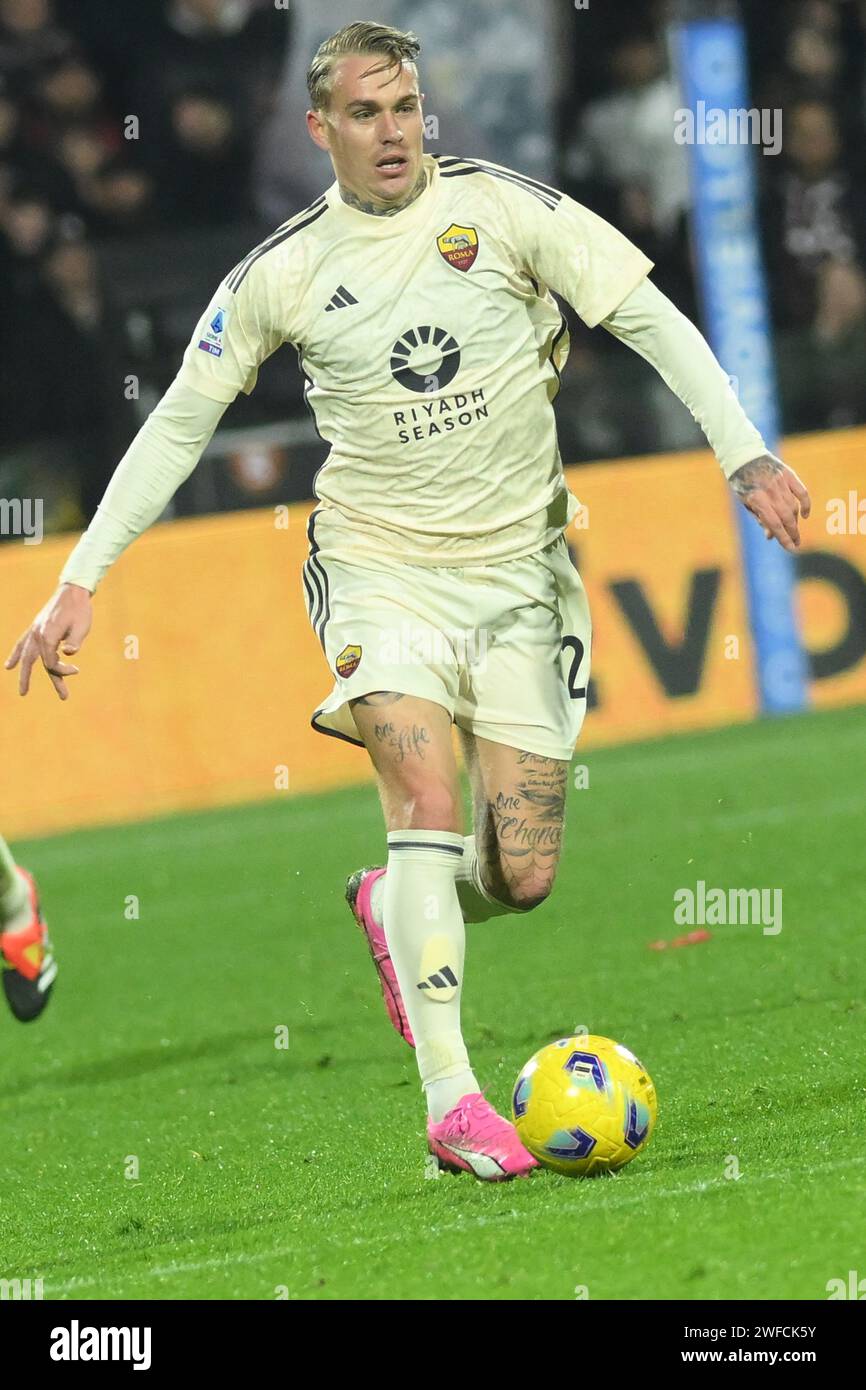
(775, 495)
(65, 619)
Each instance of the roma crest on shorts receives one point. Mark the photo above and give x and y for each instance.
(348, 660)
(459, 246)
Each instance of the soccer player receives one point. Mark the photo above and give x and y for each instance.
(26, 960)
(416, 291)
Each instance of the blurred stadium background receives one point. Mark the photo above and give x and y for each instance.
(145, 148)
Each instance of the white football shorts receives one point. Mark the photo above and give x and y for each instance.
(504, 648)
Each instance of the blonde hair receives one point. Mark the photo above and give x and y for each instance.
(393, 46)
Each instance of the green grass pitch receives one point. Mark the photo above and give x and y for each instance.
(300, 1172)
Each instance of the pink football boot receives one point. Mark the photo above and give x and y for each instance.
(474, 1139)
(358, 887)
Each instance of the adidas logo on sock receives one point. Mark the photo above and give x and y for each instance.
(341, 300)
(442, 979)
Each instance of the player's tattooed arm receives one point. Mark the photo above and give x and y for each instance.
(374, 209)
(775, 495)
(755, 474)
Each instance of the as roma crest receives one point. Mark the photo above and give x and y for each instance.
(459, 246)
(348, 661)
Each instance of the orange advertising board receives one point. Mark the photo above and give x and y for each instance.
(201, 672)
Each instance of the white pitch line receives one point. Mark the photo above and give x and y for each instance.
(451, 1228)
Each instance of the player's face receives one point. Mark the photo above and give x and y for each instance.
(373, 129)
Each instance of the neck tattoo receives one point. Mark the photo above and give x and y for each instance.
(374, 209)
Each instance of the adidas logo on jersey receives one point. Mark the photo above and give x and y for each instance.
(341, 300)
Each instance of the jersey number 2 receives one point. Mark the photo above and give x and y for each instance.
(579, 692)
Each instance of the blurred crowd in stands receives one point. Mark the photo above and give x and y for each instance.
(145, 147)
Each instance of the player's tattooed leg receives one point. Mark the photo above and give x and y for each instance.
(409, 742)
(519, 801)
(377, 697)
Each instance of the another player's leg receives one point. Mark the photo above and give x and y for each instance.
(409, 741)
(28, 965)
(509, 864)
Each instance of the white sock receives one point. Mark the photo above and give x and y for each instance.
(14, 898)
(476, 903)
(426, 941)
